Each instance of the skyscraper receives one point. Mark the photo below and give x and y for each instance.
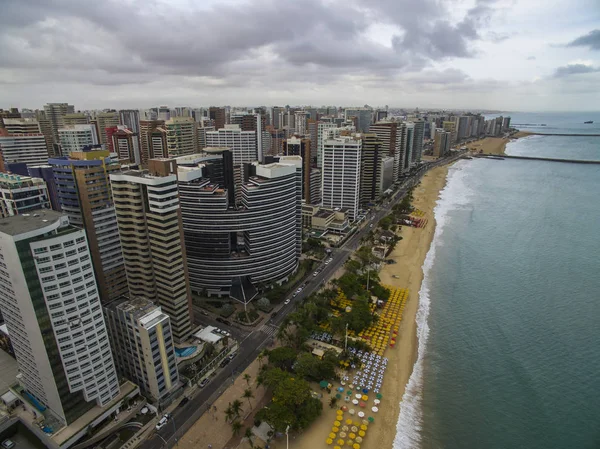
(450, 126)
(153, 139)
(131, 119)
(142, 341)
(408, 153)
(371, 170)
(441, 142)
(104, 120)
(181, 136)
(301, 147)
(242, 143)
(364, 117)
(419, 134)
(149, 220)
(218, 116)
(322, 128)
(55, 113)
(75, 137)
(46, 173)
(76, 118)
(28, 148)
(201, 134)
(230, 249)
(51, 306)
(83, 187)
(22, 194)
(126, 144)
(341, 174)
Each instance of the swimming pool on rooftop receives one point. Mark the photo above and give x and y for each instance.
(185, 352)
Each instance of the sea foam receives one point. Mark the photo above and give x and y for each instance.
(455, 195)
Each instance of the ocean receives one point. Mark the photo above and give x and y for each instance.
(509, 313)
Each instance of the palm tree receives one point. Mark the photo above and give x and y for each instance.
(236, 426)
(247, 378)
(236, 406)
(248, 395)
(229, 413)
(260, 359)
(249, 435)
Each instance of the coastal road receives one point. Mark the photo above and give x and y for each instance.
(254, 342)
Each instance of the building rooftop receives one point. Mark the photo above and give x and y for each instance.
(38, 219)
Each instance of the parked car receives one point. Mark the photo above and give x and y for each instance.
(287, 301)
(315, 274)
(161, 423)
(223, 320)
(204, 312)
(224, 363)
(204, 383)
(8, 444)
(232, 355)
(183, 402)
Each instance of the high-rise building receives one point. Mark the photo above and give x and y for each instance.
(301, 122)
(125, 143)
(104, 120)
(55, 113)
(50, 304)
(233, 248)
(218, 116)
(341, 174)
(76, 137)
(181, 136)
(26, 148)
(76, 118)
(322, 135)
(442, 142)
(364, 117)
(313, 135)
(242, 143)
(257, 123)
(315, 185)
(83, 187)
(22, 194)
(22, 126)
(408, 153)
(277, 114)
(506, 124)
(201, 135)
(301, 147)
(46, 173)
(450, 126)
(143, 348)
(46, 129)
(131, 119)
(371, 171)
(419, 134)
(153, 139)
(387, 133)
(149, 220)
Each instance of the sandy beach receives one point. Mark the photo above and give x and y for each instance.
(495, 145)
(409, 255)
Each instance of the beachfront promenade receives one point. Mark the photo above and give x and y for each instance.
(252, 345)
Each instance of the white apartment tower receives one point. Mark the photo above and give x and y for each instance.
(50, 301)
(341, 174)
(242, 143)
(75, 137)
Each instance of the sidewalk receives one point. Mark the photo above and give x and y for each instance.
(212, 428)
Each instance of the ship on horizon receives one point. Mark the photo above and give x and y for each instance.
(588, 122)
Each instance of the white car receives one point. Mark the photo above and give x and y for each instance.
(315, 274)
(287, 301)
(161, 423)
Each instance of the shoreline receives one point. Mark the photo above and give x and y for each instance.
(497, 145)
(409, 254)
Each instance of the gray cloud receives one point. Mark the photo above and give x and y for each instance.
(591, 40)
(124, 42)
(574, 69)
(531, 58)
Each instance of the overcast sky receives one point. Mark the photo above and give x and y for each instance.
(524, 55)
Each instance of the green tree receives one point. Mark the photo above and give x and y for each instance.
(229, 413)
(353, 266)
(312, 368)
(283, 357)
(360, 316)
(249, 435)
(247, 378)
(236, 406)
(248, 395)
(236, 426)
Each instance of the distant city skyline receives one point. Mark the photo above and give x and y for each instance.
(484, 54)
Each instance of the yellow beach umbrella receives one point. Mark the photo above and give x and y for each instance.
(356, 446)
(332, 435)
(348, 421)
(361, 433)
(328, 441)
(340, 442)
(352, 436)
(336, 423)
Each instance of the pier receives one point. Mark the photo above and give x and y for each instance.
(549, 159)
(564, 135)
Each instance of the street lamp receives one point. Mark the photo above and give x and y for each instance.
(287, 437)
